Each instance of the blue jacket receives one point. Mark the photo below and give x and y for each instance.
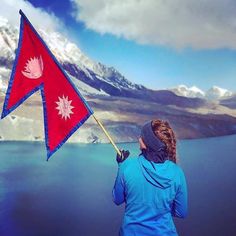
(153, 193)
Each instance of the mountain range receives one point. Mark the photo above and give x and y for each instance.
(121, 105)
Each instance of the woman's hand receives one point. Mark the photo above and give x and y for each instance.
(124, 155)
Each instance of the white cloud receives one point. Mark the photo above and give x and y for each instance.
(200, 24)
(9, 9)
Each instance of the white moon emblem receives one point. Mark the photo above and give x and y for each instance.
(33, 68)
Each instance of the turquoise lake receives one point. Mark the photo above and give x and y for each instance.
(71, 193)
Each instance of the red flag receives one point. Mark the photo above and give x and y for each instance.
(35, 68)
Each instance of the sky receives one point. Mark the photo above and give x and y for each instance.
(160, 44)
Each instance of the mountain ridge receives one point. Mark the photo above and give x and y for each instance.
(121, 105)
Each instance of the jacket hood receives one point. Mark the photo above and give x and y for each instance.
(158, 174)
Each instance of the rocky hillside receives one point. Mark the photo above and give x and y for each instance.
(229, 102)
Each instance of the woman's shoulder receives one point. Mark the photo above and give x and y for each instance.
(130, 161)
(175, 167)
(179, 173)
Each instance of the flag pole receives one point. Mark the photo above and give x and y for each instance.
(106, 133)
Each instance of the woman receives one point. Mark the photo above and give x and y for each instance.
(152, 185)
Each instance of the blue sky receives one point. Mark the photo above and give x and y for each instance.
(164, 59)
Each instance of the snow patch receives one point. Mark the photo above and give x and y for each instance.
(86, 89)
(3, 22)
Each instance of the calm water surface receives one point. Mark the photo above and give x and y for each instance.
(71, 194)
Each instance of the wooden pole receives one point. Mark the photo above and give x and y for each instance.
(106, 133)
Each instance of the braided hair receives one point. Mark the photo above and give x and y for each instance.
(164, 132)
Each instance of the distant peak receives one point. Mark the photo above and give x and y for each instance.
(185, 91)
(216, 92)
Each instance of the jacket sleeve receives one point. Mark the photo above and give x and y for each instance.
(118, 191)
(180, 204)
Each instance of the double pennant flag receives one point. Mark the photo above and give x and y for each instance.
(35, 68)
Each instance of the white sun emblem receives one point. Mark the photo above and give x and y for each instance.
(64, 107)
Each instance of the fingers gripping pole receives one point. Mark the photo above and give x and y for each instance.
(106, 133)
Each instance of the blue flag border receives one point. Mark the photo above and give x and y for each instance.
(6, 111)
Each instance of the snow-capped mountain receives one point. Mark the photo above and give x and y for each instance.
(214, 93)
(70, 56)
(192, 92)
(92, 78)
(8, 41)
(122, 106)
